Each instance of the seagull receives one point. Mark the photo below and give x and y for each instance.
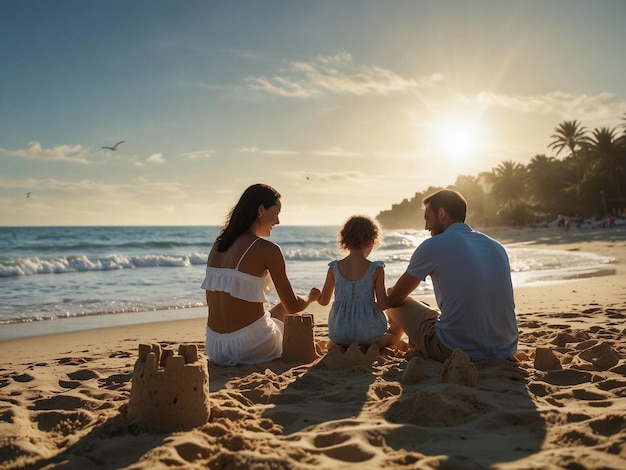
(27, 194)
(114, 148)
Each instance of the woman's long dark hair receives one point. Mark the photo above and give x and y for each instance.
(245, 212)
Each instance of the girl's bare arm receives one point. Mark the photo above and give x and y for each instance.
(379, 288)
(329, 287)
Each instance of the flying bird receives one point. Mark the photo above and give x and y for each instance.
(27, 194)
(114, 148)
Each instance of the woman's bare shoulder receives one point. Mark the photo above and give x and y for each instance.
(268, 245)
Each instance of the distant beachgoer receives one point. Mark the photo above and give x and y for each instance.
(242, 268)
(356, 315)
(471, 278)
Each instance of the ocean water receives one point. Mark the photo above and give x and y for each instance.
(49, 273)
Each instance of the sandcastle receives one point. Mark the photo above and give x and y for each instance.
(459, 369)
(298, 341)
(340, 358)
(169, 391)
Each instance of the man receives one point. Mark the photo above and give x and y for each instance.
(471, 277)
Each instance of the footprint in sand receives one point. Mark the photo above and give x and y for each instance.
(116, 381)
(587, 395)
(593, 310)
(578, 438)
(610, 425)
(349, 452)
(612, 313)
(566, 377)
(540, 389)
(531, 324)
(66, 402)
(71, 384)
(191, 452)
(73, 361)
(63, 422)
(83, 374)
(617, 386)
(26, 377)
(386, 390)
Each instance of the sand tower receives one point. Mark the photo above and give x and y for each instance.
(298, 342)
(169, 391)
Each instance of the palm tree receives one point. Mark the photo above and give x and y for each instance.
(541, 176)
(608, 160)
(509, 181)
(622, 138)
(509, 190)
(547, 180)
(571, 135)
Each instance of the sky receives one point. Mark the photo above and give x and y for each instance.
(345, 107)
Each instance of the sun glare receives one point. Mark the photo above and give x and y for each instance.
(458, 139)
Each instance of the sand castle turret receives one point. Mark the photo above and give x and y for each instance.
(169, 391)
(298, 341)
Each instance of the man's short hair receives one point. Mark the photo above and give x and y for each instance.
(453, 203)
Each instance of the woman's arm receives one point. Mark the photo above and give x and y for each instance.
(275, 262)
(379, 288)
(329, 287)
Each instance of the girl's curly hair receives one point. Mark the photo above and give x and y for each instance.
(358, 232)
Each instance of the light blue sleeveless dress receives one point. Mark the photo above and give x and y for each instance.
(354, 316)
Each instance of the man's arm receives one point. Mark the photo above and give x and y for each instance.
(398, 293)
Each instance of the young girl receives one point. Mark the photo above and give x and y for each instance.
(356, 315)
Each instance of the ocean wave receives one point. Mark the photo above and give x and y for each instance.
(98, 311)
(311, 255)
(530, 259)
(522, 260)
(82, 263)
(156, 245)
(72, 264)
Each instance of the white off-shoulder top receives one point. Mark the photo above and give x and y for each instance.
(241, 285)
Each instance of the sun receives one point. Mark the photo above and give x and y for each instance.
(458, 138)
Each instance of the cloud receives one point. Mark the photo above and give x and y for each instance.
(266, 151)
(86, 188)
(336, 152)
(199, 154)
(342, 177)
(156, 158)
(566, 105)
(278, 152)
(71, 153)
(336, 74)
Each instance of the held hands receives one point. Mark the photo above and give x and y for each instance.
(314, 294)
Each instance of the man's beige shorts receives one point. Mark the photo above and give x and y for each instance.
(418, 320)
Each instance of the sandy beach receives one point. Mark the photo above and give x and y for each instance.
(64, 397)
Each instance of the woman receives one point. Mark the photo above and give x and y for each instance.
(242, 268)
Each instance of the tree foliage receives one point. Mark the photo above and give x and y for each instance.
(590, 181)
